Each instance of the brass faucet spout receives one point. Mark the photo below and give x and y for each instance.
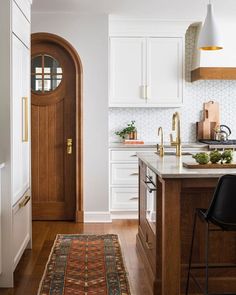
(176, 127)
(161, 146)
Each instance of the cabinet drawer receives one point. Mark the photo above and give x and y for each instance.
(124, 174)
(20, 25)
(21, 226)
(124, 198)
(121, 156)
(148, 239)
(25, 7)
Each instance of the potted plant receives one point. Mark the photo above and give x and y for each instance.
(129, 132)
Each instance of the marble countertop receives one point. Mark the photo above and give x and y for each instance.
(172, 167)
(154, 144)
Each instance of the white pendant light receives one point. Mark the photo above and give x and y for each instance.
(209, 38)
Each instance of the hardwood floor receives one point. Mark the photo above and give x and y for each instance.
(30, 269)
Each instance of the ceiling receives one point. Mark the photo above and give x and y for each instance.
(165, 9)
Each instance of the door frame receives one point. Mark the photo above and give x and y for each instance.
(55, 39)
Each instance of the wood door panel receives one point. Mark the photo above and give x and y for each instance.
(53, 122)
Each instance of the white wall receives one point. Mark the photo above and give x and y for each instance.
(89, 35)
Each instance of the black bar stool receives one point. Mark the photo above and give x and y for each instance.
(221, 213)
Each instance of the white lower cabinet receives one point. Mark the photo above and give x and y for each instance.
(123, 182)
(124, 174)
(124, 198)
(21, 226)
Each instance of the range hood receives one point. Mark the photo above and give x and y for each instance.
(218, 64)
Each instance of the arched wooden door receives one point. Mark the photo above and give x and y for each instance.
(56, 124)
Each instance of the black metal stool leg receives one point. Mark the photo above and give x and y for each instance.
(191, 253)
(207, 258)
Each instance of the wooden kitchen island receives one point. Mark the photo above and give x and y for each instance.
(165, 225)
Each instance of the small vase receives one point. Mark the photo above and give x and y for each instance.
(132, 135)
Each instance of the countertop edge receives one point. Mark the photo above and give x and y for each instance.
(191, 145)
(190, 174)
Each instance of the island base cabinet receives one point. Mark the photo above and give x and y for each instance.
(21, 226)
(146, 239)
(165, 252)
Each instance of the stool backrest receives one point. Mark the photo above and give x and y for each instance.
(222, 209)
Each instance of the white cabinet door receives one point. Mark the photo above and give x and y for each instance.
(165, 71)
(21, 227)
(127, 71)
(20, 25)
(20, 110)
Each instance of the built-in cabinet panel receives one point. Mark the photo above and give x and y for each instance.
(20, 120)
(165, 71)
(20, 25)
(15, 136)
(21, 226)
(25, 7)
(1, 167)
(127, 71)
(146, 72)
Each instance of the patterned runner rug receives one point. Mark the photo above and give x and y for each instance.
(85, 265)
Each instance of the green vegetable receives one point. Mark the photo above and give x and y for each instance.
(202, 158)
(227, 157)
(127, 130)
(215, 157)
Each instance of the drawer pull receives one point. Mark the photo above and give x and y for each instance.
(24, 202)
(134, 174)
(133, 156)
(148, 244)
(133, 198)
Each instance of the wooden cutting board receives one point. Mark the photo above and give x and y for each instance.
(194, 165)
(205, 129)
(212, 111)
(211, 118)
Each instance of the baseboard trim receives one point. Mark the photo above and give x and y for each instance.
(124, 215)
(96, 217)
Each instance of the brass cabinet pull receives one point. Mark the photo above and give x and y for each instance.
(24, 202)
(134, 174)
(25, 119)
(69, 146)
(133, 198)
(143, 91)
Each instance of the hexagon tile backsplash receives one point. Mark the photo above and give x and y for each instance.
(149, 119)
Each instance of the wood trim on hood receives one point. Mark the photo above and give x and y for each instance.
(220, 73)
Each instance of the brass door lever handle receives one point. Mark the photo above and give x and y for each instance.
(69, 146)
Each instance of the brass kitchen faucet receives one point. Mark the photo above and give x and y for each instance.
(161, 146)
(176, 127)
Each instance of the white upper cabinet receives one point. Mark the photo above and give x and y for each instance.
(146, 62)
(127, 71)
(146, 72)
(165, 71)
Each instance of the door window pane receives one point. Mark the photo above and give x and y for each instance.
(46, 73)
